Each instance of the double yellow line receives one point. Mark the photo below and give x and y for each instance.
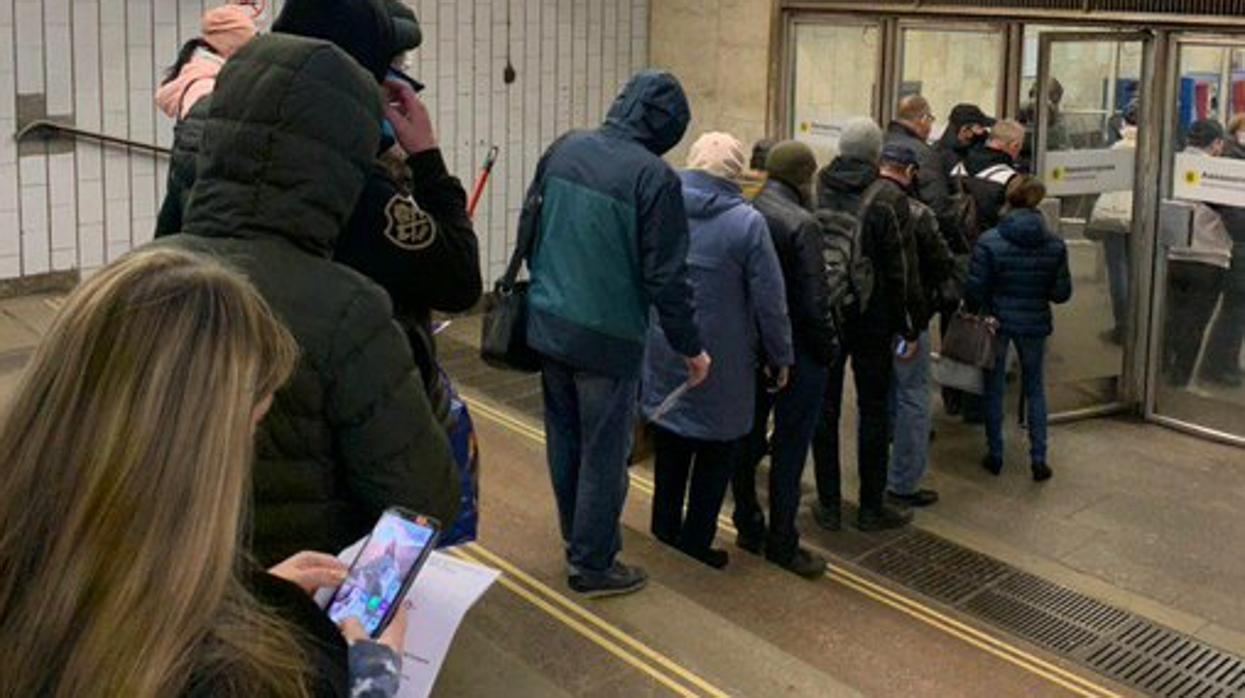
(600, 632)
(1005, 651)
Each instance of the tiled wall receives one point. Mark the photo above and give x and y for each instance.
(94, 64)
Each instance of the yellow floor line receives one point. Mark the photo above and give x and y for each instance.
(587, 632)
(993, 645)
(574, 608)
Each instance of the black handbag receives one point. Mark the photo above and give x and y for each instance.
(971, 339)
(503, 334)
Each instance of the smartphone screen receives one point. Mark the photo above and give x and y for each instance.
(384, 570)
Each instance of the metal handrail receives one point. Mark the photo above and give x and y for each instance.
(50, 129)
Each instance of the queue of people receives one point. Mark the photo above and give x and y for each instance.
(258, 383)
(261, 381)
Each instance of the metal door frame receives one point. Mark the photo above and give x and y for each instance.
(1145, 185)
(1169, 83)
(786, 101)
(1002, 29)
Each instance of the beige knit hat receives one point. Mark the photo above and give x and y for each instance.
(227, 29)
(719, 154)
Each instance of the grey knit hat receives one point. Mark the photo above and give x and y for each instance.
(861, 139)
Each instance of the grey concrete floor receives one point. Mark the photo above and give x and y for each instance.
(1137, 515)
(751, 630)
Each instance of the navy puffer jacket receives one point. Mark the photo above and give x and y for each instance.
(1018, 270)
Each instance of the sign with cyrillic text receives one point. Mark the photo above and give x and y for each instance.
(1072, 172)
(1213, 180)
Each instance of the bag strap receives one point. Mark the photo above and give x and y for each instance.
(529, 222)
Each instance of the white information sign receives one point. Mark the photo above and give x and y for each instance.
(1213, 180)
(821, 136)
(1071, 172)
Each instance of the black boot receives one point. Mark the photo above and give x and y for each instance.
(1042, 472)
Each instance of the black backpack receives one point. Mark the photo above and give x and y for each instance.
(963, 208)
(849, 270)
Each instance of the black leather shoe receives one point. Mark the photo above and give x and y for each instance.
(1042, 472)
(993, 465)
(714, 557)
(751, 542)
(920, 498)
(806, 564)
(828, 518)
(883, 519)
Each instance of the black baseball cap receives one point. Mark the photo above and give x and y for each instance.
(969, 115)
(1203, 133)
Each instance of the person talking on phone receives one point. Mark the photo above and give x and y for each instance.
(127, 449)
(410, 231)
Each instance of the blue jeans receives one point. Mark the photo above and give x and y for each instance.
(588, 431)
(1032, 351)
(910, 422)
(1115, 249)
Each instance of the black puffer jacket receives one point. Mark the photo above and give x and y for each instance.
(186, 137)
(290, 136)
(1018, 270)
(797, 239)
(842, 183)
(932, 187)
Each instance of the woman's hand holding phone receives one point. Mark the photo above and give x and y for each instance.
(311, 571)
(393, 637)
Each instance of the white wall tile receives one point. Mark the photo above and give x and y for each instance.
(91, 244)
(10, 267)
(9, 231)
(29, 27)
(8, 72)
(36, 253)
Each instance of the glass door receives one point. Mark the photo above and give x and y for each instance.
(1088, 117)
(950, 65)
(1197, 380)
(837, 77)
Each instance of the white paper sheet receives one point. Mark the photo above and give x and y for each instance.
(444, 591)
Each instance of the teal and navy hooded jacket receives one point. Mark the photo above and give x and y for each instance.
(612, 236)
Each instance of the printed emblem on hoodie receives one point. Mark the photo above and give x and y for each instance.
(407, 225)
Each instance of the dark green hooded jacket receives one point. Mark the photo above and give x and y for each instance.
(290, 137)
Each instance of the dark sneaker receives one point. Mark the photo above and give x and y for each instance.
(883, 519)
(920, 498)
(806, 564)
(993, 465)
(829, 518)
(620, 579)
(1225, 379)
(751, 542)
(1042, 472)
(714, 557)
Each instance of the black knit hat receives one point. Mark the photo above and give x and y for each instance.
(1204, 133)
(793, 163)
(362, 28)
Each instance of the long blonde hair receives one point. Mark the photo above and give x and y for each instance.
(126, 456)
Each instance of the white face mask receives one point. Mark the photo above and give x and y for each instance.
(1240, 137)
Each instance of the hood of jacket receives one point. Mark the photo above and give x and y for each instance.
(200, 71)
(651, 110)
(288, 141)
(1024, 228)
(362, 28)
(846, 176)
(706, 196)
(981, 157)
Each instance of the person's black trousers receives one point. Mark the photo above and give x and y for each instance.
(748, 516)
(1193, 292)
(873, 372)
(1223, 346)
(709, 465)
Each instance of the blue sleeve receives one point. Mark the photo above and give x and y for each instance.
(1061, 290)
(663, 261)
(977, 288)
(768, 295)
(375, 670)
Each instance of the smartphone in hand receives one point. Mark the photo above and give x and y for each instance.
(384, 569)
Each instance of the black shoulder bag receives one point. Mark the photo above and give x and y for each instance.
(503, 336)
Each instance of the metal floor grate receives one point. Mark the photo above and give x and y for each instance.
(1111, 641)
